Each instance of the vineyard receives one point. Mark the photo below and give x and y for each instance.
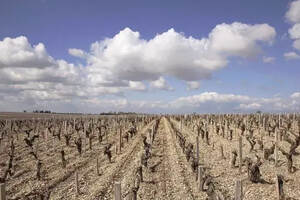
(214, 157)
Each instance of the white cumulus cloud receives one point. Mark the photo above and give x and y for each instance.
(19, 53)
(291, 55)
(77, 53)
(137, 85)
(295, 31)
(296, 44)
(29, 76)
(216, 102)
(268, 59)
(250, 106)
(293, 13)
(127, 56)
(295, 95)
(193, 85)
(161, 83)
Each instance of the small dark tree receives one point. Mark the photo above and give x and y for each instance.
(269, 152)
(233, 159)
(63, 159)
(78, 144)
(107, 152)
(68, 138)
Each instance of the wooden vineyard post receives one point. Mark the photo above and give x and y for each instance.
(2, 191)
(263, 124)
(120, 140)
(225, 129)
(180, 123)
(294, 122)
(118, 191)
(279, 187)
(140, 172)
(276, 148)
(53, 140)
(150, 134)
(262, 139)
(222, 152)
(238, 190)
(84, 139)
(140, 126)
(105, 132)
(65, 127)
(246, 124)
(97, 165)
(197, 151)
(77, 183)
(83, 144)
(37, 147)
(235, 132)
(240, 153)
(46, 135)
(115, 124)
(200, 178)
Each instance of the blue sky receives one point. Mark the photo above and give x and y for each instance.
(257, 54)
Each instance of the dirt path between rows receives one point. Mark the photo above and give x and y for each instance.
(100, 187)
(225, 176)
(172, 177)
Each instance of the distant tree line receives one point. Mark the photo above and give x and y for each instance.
(41, 111)
(118, 113)
(102, 113)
